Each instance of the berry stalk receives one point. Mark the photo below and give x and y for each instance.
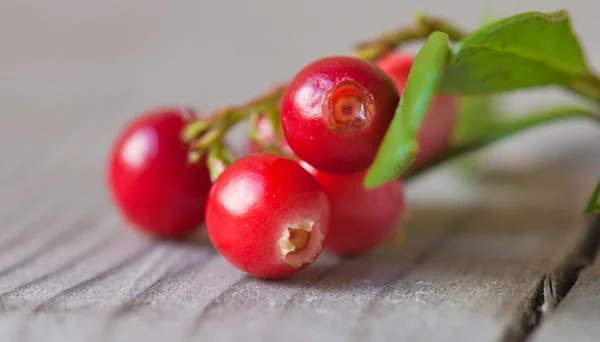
(424, 26)
(273, 145)
(205, 133)
(588, 86)
(593, 205)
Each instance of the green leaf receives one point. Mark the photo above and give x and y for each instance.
(477, 112)
(399, 146)
(522, 51)
(476, 116)
(593, 205)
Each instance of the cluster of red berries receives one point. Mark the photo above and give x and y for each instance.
(269, 215)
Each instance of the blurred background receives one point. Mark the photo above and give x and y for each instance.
(72, 72)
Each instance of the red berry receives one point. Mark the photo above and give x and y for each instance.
(267, 216)
(360, 219)
(336, 111)
(155, 187)
(436, 129)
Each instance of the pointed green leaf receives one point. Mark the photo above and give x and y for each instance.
(399, 146)
(477, 112)
(525, 50)
(477, 115)
(593, 205)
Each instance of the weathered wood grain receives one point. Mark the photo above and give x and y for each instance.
(461, 275)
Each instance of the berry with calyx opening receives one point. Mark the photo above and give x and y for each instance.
(336, 111)
(441, 118)
(267, 216)
(151, 181)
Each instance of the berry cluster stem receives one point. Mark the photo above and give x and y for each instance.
(253, 133)
(424, 25)
(588, 86)
(206, 134)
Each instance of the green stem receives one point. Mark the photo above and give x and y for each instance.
(588, 86)
(377, 48)
(253, 133)
(218, 158)
(593, 204)
(206, 132)
(506, 128)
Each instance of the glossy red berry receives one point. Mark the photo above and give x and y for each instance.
(155, 187)
(439, 122)
(336, 111)
(267, 216)
(360, 219)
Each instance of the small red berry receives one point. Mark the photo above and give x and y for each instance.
(336, 111)
(155, 187)
(360, 219)
(441, 118)
(267, 216)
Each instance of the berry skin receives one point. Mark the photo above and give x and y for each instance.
(360, 219)
(152, 183)
(336, 111)
(439, 122)
(267, 216)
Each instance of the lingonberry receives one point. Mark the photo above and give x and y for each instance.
(441, 118)
(336, 111)
(267, 216)
(155, 187)
(360, 219)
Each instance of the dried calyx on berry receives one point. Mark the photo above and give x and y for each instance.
(301, 243)
(268, 216)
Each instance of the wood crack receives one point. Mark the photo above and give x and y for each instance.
(553, 287)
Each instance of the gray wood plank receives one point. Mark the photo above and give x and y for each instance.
(576, 318)
(462, 273)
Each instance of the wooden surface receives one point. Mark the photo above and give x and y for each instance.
(488, 259)
(467, 271)
(578, 314)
